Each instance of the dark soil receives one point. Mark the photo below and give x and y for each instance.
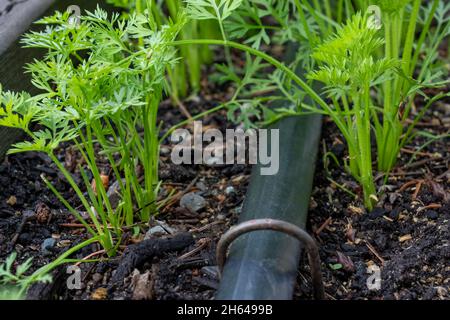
(406, 236)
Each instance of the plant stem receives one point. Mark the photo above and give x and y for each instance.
(279, 65)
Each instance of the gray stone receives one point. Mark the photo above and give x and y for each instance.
(97, 277)
(164, 151)
(47, 246)
(156, 231)
(161, 229)
(193, 202)
(201, 185)
(229, 190)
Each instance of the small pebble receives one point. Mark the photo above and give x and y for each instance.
(201, 185)
(156, 231)
(28, 213)
(229, 190)
(97, 277)
(164, 151)
(395, 213)
(193, 202)
(161, 229)
(47, 246)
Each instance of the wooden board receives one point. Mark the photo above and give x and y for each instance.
(16, 17)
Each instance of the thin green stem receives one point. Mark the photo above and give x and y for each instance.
(279, 65)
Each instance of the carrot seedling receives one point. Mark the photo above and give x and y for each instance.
(100, 89)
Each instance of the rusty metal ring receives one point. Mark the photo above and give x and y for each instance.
(280, 226)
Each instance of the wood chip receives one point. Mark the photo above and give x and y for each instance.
(12, 201)
(355, 210)
(100, 294)
(323, 226)
(404, 238)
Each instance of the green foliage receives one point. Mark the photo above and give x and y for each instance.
(211, 9)
(11, 102)
(101, 85)
(247, 23)
(186, 75)
(390, 6)
(354, 62)
(13, 284)
(349, 71)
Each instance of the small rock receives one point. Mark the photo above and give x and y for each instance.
(142, 285)
(47, 246)
(164, 151)
(37, 186)
(229, 190)
(202, 186)
(97, 277)
(161, 229)
(193, 202)
(28, 213)
(156, 231)
(393, 197)
(221, 217)
(431, 214)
